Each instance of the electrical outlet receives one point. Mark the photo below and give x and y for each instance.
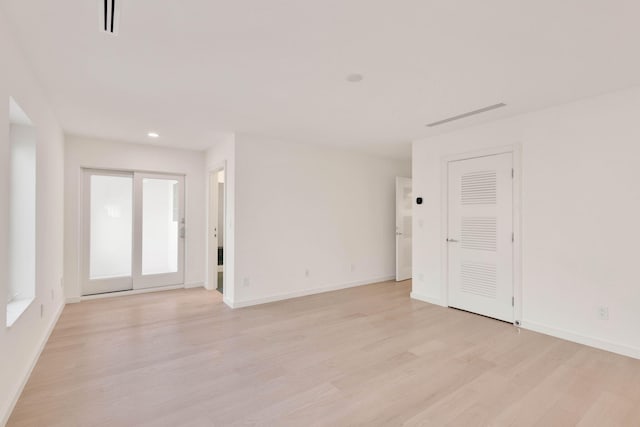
(306, 272)
(603, 313)
(353, 268)
(421, 277)
(246, 282)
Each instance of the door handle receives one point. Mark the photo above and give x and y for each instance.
(452, 240)
(398, 233)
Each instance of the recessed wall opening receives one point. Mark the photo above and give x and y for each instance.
(22, 213)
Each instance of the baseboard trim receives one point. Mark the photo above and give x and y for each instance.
(426, 298)
(307, 292)
(131, 292)
(621, 349)
(194, 285)
(34, 361)
(228, 302)
(74, 300)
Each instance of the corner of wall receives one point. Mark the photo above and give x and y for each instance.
(428, 299)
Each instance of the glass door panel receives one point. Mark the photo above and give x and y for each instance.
(160, 224)
(108, 232)
(160, 230)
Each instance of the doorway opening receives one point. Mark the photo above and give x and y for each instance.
(217, 214)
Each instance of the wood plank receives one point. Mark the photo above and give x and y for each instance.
(361, 356)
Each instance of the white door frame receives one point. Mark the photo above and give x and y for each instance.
(515, 150)
(212, 239)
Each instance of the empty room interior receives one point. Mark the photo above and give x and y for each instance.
(327, 213)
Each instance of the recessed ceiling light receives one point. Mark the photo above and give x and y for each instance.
(355, 78)
(153, 135)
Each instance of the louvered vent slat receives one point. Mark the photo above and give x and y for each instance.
(479, 279)
(479, 233)
(479, 188)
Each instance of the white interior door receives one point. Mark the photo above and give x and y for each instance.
(480, 235)
(133, 231)
(403, 228)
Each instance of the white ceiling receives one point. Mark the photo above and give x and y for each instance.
(191, 69)
(17, 115)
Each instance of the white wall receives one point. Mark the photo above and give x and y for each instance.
(84, 152)
(301, 207)
(580, 207)
(21, 344)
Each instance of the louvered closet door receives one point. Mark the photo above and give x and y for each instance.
(480, 226)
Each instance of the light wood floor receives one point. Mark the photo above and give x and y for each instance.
(363, 356)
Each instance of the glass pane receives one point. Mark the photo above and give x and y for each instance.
(111, 226)
(159, 226)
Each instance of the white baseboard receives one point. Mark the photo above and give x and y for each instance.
(131, 292)
(194, 285)
(72, 300)
(228, 302)
(34, 360)
(306, 292)
(427, 298)
(582, 339)
(556, 332)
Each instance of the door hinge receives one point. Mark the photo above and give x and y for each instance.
(513, 301)
(513, 237)
(513, 173)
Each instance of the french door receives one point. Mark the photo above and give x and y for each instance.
(133, 231)
(480, 235)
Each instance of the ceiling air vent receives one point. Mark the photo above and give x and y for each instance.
(110, 14)
(468, 114)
